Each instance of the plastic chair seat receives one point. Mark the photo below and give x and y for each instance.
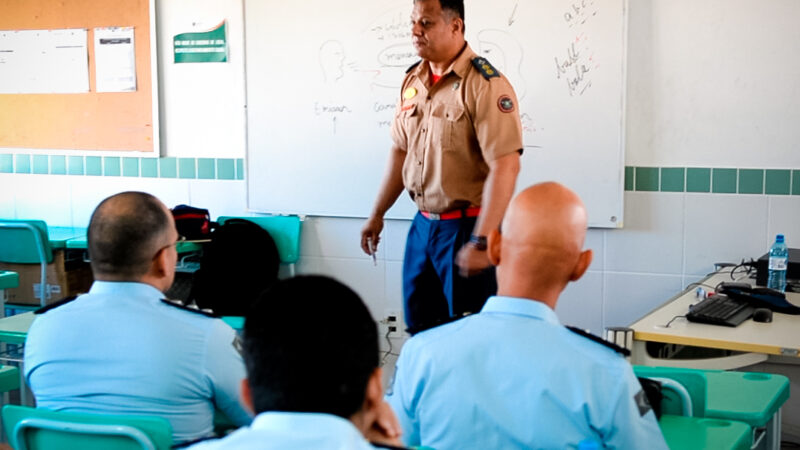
(690, 433)
(749, 397)
(9, 378)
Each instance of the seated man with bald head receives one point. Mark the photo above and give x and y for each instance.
(122, 348)
(512, 376)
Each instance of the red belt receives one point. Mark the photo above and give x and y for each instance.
(472, 211)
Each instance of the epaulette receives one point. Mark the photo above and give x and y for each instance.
(433, 323)
(413, 65)
(485, 68)
(191, 308)
(599, 340)
(55, 305)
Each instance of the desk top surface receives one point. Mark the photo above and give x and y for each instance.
(59, 236)
(14, 329)
(780, 337)
(81, 242)
(8, 279)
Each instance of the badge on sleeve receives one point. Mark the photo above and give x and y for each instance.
(641, 402)
(409, 93)
(505, 104)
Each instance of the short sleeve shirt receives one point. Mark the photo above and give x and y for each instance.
(121, 350)
(513, 377)
(451, 131)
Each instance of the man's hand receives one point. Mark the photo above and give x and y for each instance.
(386, 428)
(371, 234)
(471, 261)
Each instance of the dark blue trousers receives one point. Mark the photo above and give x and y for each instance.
(433, 290)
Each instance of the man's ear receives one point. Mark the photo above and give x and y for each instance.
(247, 395)
(494, 241)
(374, 394)
(584, 260)
(458, 25)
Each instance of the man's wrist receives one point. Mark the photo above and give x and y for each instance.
(478, 242)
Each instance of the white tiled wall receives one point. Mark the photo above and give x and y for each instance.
(669, 239)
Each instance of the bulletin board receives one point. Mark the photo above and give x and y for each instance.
(119, 121)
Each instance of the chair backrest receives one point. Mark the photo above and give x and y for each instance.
(32, 428)
(285, 230)
(25, 242)
(693, 380)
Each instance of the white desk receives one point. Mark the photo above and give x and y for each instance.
(687, 344)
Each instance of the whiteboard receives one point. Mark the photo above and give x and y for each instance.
(323, 79)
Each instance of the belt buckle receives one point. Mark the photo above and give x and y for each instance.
(434, 216)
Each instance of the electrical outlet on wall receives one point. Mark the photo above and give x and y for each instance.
(390, 325)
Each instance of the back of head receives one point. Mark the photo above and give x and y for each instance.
(543, 233)
(125, 231)
(310, 345)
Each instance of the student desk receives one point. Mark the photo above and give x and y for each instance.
(688, 344)
(191, 248)
(702, 346)
(14, 330)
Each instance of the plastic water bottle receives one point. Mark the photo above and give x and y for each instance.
(778, 260)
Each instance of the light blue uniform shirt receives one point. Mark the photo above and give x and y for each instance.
(513, 377)
(120, 350)
(287, 431)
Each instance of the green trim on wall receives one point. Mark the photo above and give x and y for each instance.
(717, 180)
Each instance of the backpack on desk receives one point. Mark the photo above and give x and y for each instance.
(238, 264)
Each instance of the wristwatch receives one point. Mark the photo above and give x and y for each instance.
(479, 242)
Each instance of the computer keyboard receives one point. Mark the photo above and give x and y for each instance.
(720, 310)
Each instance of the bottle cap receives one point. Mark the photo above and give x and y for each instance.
(779, 238)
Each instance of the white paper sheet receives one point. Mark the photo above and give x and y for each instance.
(44, 62)
(115, 59)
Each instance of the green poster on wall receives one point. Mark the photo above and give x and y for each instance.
(205, 46)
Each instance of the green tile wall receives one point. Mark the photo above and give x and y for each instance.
(751, 181)
(672, 179)
(723, 181)
(644, 179)
(58, 165)
(698, 179)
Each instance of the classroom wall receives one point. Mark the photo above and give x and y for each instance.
(679, 218)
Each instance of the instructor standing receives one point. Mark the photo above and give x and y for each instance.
(457, 142)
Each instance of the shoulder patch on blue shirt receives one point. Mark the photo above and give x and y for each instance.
(179, 304)
(55, 305)
(485, 67)
(413, 66)
(601, 341)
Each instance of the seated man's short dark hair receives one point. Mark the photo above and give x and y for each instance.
(310, 345)
(123, 232)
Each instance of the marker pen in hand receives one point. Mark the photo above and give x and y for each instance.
(372, 250)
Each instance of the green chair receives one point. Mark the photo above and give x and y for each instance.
(31, 428)
(26, 242)
(754, 399)
(750, 397)
(285, 231)
(695, 433)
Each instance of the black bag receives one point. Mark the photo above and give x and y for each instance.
(192, 223)
(239, 263)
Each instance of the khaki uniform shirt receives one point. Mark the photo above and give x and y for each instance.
(452, 129)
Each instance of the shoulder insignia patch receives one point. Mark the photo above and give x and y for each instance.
(191, 308)
(413, 66)
(55, 305)
(601, 341)
(485, 68)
